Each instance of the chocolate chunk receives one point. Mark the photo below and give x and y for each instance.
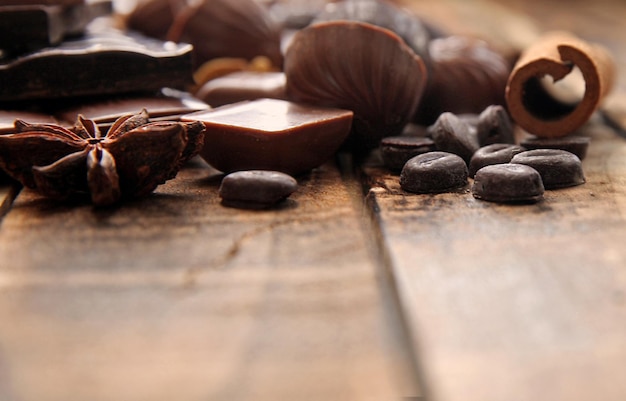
(102, 62)
(496, 153)
(494, 126)
(467, 76)
(453, 135)
(25, 27)
(359, 67)
(385, 15)
(577, 145)
(397, 150)
(271, 134)
(433, 172)
(256, 189)
(508, 183)
(243, 85)
(215, 28)
(558, 168)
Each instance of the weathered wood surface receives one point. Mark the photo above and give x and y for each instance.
(175, 297)
(524, 302)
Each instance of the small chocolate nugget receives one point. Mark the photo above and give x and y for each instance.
(558, 168)
(496, 153)
(256, 189)
(508, 183)
(433, 172)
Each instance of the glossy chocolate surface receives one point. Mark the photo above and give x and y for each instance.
(102, 62)
(270, 134)
(384, 15)
(215, 28)
(243, 85)
(467, 76)
(25, 27)
(359, 67)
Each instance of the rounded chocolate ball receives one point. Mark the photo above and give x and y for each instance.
(508, 183)
(256, 189)
(397, 150)
(495, 153)
(558, 168)
(433, 172)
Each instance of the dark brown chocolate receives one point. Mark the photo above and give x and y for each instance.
(25, 27)
(271, 134)
(496, 153)
(256, 189)
(558, 168)
(508, 183)
(360, 67)
(397, 150)
(102, 62)
(243, 85)
(433, 172)
(215, 28)
(467, 76)
(453, 135)
(577, 145)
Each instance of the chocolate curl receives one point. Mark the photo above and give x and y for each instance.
(556, 54)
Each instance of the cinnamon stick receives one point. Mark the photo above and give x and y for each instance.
(556, 54)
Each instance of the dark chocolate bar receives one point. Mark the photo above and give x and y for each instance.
(25, 28)
(101, 62)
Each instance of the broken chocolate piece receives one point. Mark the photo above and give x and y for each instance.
(359, 67)
(455, 136)
(271, 134)
(26, 27)
(104, 62)
(494, 126)
(508, 183)
(256, 189)
(556, 54)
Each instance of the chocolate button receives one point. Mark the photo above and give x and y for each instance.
(397, 150)
(496, 153)
(270, 134)
(433, 172)
(256, 189)
(508, 183)
(558, 168)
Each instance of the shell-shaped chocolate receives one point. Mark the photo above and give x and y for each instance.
(360, 67)
(383, 14)
(467, 76)
(215, 28)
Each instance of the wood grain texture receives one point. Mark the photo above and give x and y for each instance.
(176, 297)
(523, 302)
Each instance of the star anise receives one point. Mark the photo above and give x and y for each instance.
(131, 160)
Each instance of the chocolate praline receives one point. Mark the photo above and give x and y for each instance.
(359, 67)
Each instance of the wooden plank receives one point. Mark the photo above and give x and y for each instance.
(524, 302)
(175, 297)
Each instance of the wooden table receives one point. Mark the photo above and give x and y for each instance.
(353, 290)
